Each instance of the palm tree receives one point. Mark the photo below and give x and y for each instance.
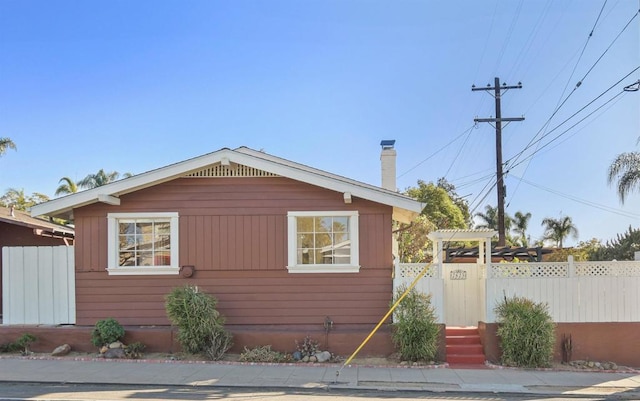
(559, 229)
(490, 219)
(100, 178)
(521, 222)
(625, 169)
(17, 198)
(69, 187)
(6, 143)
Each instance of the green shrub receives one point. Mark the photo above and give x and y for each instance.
(262, 354)
(106, 332)
(526, 333)
(135, 350)
(23, 343)
(308, 346)
(200, 325)
(415, 332)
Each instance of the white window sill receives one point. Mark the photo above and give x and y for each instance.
(323, 269)
(149, 270)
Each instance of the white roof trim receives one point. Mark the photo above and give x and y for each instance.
(404, 207)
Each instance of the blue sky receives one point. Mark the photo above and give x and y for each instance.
(135, 85)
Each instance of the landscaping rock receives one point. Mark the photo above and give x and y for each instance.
(62, 350)
(313, 358)
(104, 349)
(296, 355)
(323, 356)
(305, 358)
(115, 353)
(116, 345)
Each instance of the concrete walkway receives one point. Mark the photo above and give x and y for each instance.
(221, 374)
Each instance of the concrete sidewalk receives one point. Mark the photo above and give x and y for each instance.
(221, 374)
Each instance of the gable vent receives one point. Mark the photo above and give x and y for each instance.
(234, 170)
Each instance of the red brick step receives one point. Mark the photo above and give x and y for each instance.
(464, 347)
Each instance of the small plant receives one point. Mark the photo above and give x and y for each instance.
(262, 354)
(135, 350)
(415, 331)
(200, 325)
(308, 346)
(526, 333)
(106, 332)
(23, 343)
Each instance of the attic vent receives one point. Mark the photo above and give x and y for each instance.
(234, 170)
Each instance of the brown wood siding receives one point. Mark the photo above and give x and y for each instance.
(234, 231)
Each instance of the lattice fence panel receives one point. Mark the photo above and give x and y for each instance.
(529, 270)
(411, 270)
(609, 268)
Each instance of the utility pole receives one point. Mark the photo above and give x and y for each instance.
(498, 121)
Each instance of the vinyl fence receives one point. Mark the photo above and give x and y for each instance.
(38, 285)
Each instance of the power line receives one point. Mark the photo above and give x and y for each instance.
(579, 200)
(437, 151)
(515, 158)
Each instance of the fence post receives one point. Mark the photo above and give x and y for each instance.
(571, 271)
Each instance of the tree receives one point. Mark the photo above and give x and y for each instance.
(521, 221)
(17, 198)
(625, 169)
(68, 187)
(490, 219)
(459, 201)
(100, 178)
(439, 208)
(559, 229)
(413, 241)
(6, 143)
(623, 247)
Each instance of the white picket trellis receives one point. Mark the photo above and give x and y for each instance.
(38, 285)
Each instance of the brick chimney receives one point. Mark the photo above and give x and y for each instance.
(388, 164)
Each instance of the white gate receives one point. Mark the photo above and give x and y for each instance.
(463, 296)
(38, 285)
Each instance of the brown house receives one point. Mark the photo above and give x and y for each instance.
(18, 228)
(288, 250)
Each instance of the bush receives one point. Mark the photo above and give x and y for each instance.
(415, 331)
(526, 333)
(106, 332)
(308, 346)
(135, 350)
(262, 354)
(200, 325)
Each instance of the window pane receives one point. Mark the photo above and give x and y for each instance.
(325, 224)
(305, 224)
(305, 241)
(162, 259)
(126, 259)
(340, 224)
(163, 227)
(322, 240)
(144, 258)
(163, 242)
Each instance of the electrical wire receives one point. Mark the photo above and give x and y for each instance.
(515, 158)
(595, 205)
(436, 152)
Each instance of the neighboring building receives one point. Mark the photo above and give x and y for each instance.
(284, 247)
(18, 228)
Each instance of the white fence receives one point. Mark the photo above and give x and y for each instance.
(574, 291)
(38, 285)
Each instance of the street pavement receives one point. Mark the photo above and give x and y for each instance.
(309, 376)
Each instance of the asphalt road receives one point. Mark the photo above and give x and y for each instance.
(72, 392)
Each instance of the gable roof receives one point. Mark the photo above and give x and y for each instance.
(404, 207)
(40, 226)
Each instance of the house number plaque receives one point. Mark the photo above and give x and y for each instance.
(458, 274)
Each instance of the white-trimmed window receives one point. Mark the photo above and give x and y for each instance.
(323, 242)
(142, 243)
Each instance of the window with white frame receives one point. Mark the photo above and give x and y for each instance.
(323, 242)
(142, 243)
